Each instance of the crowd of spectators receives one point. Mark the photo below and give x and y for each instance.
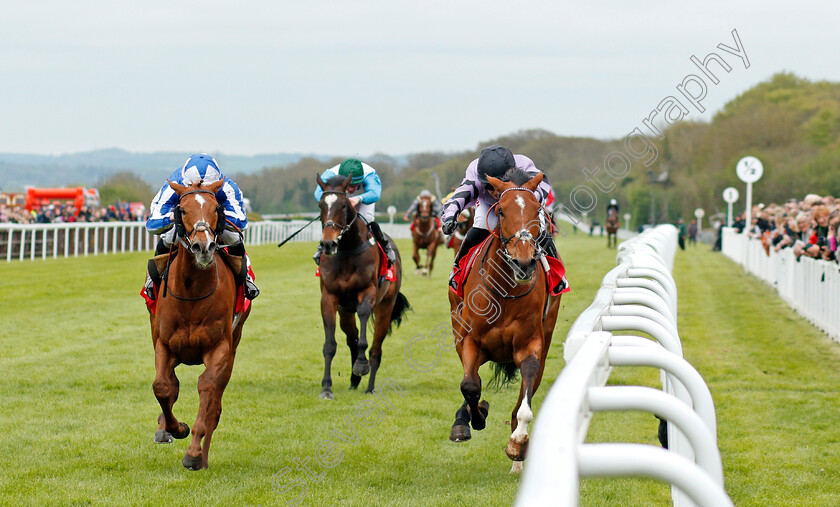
(61, 213)
(809, 227)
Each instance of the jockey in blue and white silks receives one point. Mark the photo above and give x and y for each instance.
(364, 190)
(201, 167)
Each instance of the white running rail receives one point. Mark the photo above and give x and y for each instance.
(42, 241)
(638, 295)
(810, 286)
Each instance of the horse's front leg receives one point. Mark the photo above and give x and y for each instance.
(416, 257)
(166, 390)
(522, 415)
(347, 321)
(211, 385)
(361, 366)
(430, 254)
(329, 305)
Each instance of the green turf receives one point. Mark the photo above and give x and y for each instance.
(78, 413)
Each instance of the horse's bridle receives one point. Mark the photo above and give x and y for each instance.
(329, 223)
(201, 225)
(521, 235)
(186, 240)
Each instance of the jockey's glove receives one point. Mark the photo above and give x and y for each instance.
(448, 226)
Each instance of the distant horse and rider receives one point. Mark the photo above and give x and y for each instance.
(612, 224)
(356, 278)
(425, 232)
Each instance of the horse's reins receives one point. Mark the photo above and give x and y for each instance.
(186, 240)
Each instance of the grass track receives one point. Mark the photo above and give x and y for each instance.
(78, 410)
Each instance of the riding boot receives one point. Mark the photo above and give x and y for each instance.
(251, 289)
(149, 286)
(161, 248)
(474, 237)
(546, 242)
(317, 256)
(380, 238)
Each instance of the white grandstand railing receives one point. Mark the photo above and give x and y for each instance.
(42, 241)
(810, 286)
(637, 295)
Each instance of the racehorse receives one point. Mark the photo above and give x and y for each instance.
(507, 315)
(464, 223)
(193, 322)
(425, 235)
(351, 284)
(612, 224)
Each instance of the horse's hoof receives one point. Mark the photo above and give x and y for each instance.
(478, 423)
(183, 431)
(326, 395)
(516, 450)
(191, 462)
(355, 380)
(361, 368)
(516, 468)
(460, 433)
(162, 437)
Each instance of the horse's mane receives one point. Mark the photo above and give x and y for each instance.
(517, 176)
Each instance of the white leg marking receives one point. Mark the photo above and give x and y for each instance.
(524, 416)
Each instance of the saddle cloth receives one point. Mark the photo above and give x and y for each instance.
(237, 264)
(386, 270)
(555, 274)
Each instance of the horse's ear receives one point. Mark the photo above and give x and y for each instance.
(179, 189)
(534, 182)
(321, 183)
(214, 187)
(498, 186)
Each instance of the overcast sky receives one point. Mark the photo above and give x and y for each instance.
(358, 77)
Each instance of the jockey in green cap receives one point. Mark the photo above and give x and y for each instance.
(364, 190)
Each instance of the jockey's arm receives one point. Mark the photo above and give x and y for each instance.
(437, 207)
(373, 189)
(160, 211)
(465, 193)
(230, 197)
(412, 209)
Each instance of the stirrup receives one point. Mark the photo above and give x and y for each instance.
(452, 283)
(317, 256)
(150, 287)
(251, 289)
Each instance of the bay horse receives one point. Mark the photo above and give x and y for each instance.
(507, 315)
(425, 235)
(350, 285)
(464, 223)
(193, 322)
(612, 225)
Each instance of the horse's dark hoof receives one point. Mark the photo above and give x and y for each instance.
(183, 431)
(355, 380)
(663, 433)
(326, 395)
(460, 433)
(478, 423)
(361, 368)
(191, 462)
(162, 437)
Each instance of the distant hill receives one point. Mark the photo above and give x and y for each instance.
(17, 171)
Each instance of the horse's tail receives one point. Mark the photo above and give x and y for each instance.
(400, 307)
(503, 374)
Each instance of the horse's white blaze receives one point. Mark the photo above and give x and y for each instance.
(207, 236)
(200, 200)
(521, 202)
(330, 200)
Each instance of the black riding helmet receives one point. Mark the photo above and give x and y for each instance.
(494, 161)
